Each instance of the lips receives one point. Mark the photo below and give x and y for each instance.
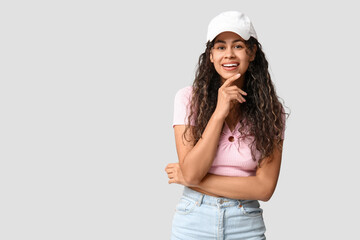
(230, 66)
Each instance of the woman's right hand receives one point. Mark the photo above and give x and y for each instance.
(227, 94)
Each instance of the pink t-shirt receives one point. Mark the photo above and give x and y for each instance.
(233, 156)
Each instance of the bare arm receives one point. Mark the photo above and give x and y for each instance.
(195, 161)
(259, 187)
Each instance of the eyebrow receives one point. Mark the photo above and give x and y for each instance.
(222, 41)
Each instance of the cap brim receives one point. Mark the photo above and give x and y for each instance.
(243, 34)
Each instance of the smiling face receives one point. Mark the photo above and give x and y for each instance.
(230, 55)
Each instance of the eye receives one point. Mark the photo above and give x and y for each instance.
(220, 48)
(238, 46)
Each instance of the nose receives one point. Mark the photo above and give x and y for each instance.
(229, 53)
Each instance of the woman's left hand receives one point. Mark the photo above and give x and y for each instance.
(174, 173)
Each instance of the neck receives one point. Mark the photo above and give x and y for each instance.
(235, 112)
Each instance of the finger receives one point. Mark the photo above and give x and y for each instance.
(242, 91)
(236, 91)
(170, 165)
(231, 80)
(238, 97)
(241, 100)
(235, 88)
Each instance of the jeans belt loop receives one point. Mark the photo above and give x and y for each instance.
(199, 201)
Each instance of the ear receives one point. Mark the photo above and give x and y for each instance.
(211, 57)
(253, 53)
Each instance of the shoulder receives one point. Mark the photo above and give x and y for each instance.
(185, 91)
(184, 94)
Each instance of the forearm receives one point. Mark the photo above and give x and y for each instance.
(245, 188)
(198, 161)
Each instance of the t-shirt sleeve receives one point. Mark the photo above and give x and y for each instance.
(182, 107)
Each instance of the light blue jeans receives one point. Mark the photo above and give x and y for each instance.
(203, 217)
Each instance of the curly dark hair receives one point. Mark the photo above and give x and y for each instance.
(262, 113)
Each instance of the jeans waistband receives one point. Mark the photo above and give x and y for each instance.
(200, 198)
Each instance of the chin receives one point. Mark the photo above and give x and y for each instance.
(228, 74)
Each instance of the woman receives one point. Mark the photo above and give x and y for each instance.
(229, 131)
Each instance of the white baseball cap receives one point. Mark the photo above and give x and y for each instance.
(231, 21)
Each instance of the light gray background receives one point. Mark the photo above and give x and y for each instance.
(86, 99)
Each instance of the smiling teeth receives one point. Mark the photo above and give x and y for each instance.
(230, 65)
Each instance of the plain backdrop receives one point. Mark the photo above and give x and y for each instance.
(86, 107)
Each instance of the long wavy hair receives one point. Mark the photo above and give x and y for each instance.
(262, 113)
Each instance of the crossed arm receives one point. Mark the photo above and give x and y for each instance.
(194, 163)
